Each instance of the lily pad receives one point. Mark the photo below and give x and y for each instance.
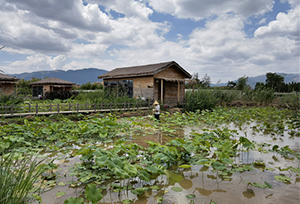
(177, 189)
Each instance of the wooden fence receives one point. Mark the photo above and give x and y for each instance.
(67, 108)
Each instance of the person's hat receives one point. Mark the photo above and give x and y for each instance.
(155, 103)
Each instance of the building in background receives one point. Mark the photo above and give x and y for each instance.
(163, 81)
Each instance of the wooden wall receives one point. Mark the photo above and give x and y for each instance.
(7, 88)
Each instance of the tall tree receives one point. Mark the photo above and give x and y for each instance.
(206, 81)
(274, 81)
(242, 83)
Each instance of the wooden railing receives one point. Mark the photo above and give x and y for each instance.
(65, 108)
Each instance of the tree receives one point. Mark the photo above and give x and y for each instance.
(206, 81)
(231, 84)
(241, 83)
(274, 81)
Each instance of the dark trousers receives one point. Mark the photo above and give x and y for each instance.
(156, 116)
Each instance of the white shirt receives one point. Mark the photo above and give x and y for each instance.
(156, 109)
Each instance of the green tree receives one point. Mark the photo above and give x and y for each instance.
(231, 84)
(274, 81)
(242, 83)
(206, 81)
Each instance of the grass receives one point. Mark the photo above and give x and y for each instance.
(17, 176)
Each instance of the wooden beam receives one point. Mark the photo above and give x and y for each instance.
(162, 90)
(178, 92)
(117, 88)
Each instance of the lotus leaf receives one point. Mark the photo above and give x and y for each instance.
(93, 194)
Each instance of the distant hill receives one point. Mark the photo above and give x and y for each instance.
(288, 78)
(81, 76)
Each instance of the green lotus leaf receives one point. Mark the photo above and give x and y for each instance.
(118, 162)
(177, 189)
(93, 194)
(145, 176)
(185, 166)
(173, 178)
(282, 178)
(121, 173)
(102, 161)
(218, 166)
(190, 196)
(203, 161)
(130, 169)
(73, 200)
(139, 191)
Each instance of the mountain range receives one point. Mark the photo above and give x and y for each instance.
(288, 78)
(83, 76)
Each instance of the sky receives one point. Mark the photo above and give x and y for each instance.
(224, 39)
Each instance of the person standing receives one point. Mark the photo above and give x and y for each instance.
(156, 110)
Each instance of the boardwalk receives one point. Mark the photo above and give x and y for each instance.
(50, 109)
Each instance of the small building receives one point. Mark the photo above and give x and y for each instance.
(163, 81)
(39, 88)
(8, 84)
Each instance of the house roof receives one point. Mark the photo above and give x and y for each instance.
(144, 70)
(53, 80)
(4, 77)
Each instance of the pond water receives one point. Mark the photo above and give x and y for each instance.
(202, 183)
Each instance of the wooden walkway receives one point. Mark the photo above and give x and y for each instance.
(15, 114)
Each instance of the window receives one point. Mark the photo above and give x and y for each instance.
(125, 87)
(37, 90)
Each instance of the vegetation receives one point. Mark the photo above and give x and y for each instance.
(136, 167)
(90, 86)
(18, 174)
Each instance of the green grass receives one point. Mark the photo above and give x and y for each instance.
(17, 176)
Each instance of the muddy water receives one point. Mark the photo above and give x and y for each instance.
(204, 183)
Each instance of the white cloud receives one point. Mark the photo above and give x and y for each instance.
(69, 13)
(205, 8)
(284, 25)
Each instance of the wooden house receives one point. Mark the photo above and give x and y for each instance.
(163, 81)
(39, 88)
(8, 84)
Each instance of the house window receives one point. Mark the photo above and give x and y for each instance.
(125, 87)
(37, 90)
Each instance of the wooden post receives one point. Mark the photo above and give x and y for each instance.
(36, 108)
(58, 108)
(162, 90)
(117, 88)
(178, 96)
(12, 109)
(69, 106)
(50, 107)
(16, 89)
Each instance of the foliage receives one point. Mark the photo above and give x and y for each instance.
(90, 86)
(62, 95)
(10, 100)
(242, 83)
(24, 88)
(17, 176)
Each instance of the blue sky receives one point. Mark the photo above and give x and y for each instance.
(224, 39)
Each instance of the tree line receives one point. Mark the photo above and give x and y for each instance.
(273, 81)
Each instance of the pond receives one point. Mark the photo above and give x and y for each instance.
(260, 166)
